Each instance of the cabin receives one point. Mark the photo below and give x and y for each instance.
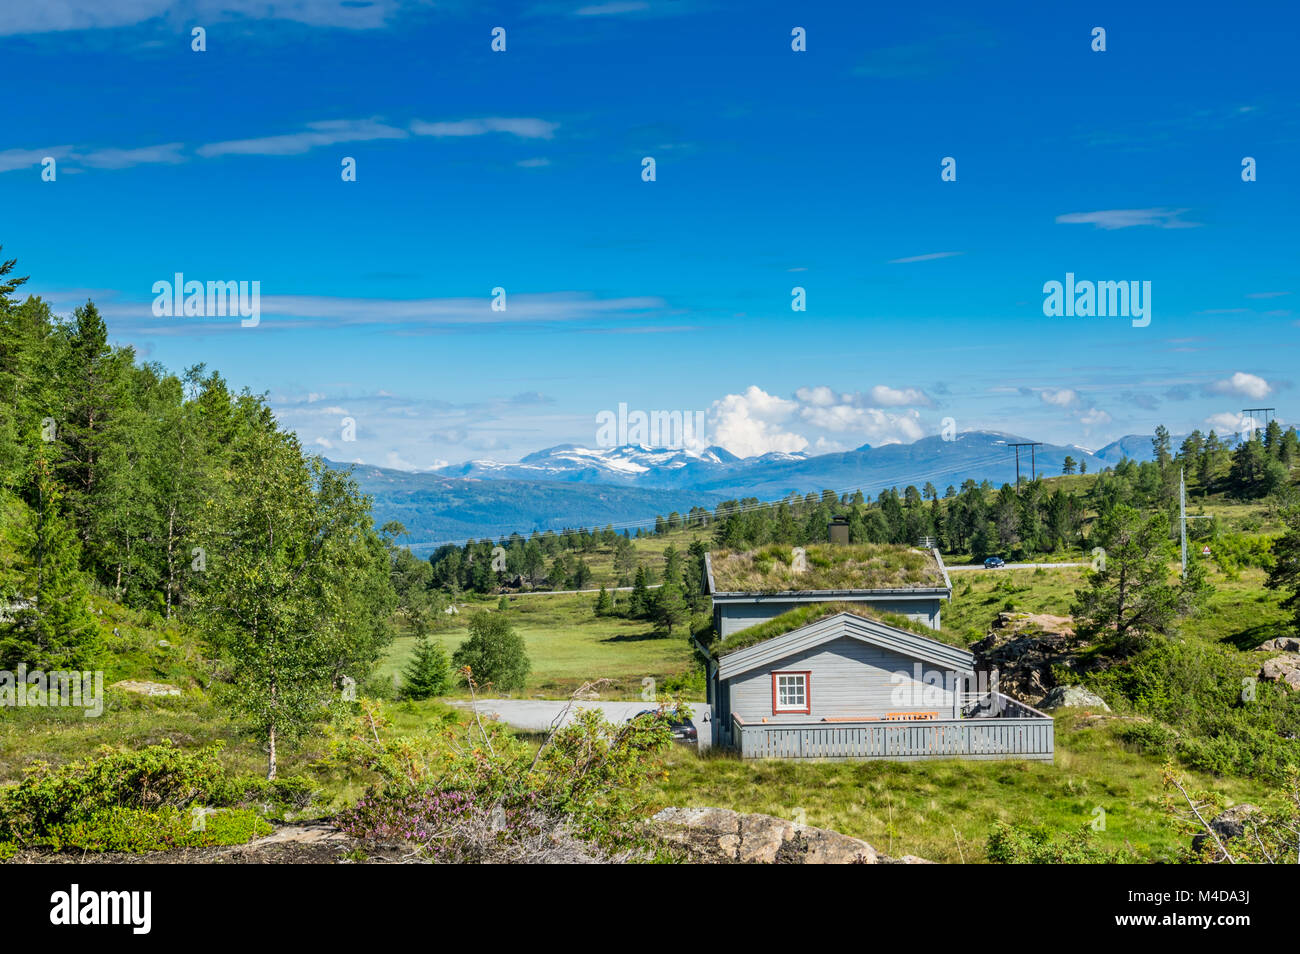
(753, 586)
(837, 681)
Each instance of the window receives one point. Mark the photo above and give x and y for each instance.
(791, 692)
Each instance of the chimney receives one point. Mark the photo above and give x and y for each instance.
(839, 530)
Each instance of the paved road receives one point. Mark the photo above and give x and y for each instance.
(609, 589)
(539, 714)
(1014, 566)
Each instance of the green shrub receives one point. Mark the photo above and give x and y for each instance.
(1152, 738)
(1196, 690)
(159, 776)
(1035, 845)
(136, 801)
(136, 831)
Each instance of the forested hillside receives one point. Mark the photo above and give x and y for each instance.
(178, 498)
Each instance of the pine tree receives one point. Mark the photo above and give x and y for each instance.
(1130, 597)
(428, 673)
(670, 609)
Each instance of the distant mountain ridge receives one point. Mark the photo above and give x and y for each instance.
(976, 454)
(569, 485)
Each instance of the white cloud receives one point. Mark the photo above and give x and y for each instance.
(327, 132)
(523, 128)
(1226, 422)
(880, 395)
(169, 153)
(1128, 218)
(930, 257)
(1243, 384)
(53, 16)
(1094, 418)
(877, 426)
(11, 159)
(1064, 397)
(612, 9)
(885, 396)
(751, 424)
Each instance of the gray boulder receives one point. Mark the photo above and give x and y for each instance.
(1283, 669)
(1073, 697)
(1283, 644)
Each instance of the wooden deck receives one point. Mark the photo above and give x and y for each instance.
(1023, 733)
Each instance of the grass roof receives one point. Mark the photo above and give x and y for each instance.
(828, 566)
(811, 613)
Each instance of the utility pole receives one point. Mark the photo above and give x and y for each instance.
(1183, 518)
(1032, 464)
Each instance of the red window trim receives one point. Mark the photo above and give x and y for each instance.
(807, 691)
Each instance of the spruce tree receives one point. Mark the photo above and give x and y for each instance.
(52, 627)
(604, 604)
(428, 673)
(639, 604)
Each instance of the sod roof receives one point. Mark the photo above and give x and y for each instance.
(811, 613)
(827, 567)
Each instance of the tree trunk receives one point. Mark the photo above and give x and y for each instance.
(270, 755)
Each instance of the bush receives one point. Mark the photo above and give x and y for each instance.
(134, 830)
(589, 781)
(160, 776)
(1195, 689)
(135, 801)
(1035, 845)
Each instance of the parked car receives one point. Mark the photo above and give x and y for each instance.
(994, 563)
(678, 721)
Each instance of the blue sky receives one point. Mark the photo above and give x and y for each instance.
(774, 169)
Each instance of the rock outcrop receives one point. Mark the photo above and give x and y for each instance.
(1023, 648)
(722, 836)
(1283, 644)
(146, 688)
(1064, 697)
(1283, 669)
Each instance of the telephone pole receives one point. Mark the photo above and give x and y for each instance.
(1032, 464)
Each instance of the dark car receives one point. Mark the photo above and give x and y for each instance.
(994, 563)
(679, 722)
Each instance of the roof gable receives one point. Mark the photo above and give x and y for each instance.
(844, 624)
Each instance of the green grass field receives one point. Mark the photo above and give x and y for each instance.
(569, 645)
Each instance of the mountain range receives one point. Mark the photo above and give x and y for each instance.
(568, 485)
